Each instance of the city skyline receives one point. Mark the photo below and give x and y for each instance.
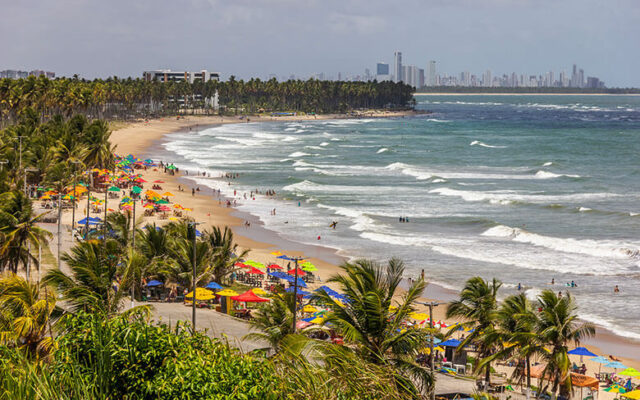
(283, 37)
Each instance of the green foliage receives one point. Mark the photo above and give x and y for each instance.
(129, 358)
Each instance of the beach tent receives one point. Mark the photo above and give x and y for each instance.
(249, 297)
(213, 285)
(154, 283)
(201, 294)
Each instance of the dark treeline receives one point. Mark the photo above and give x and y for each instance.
(116, 98)
(524, 90)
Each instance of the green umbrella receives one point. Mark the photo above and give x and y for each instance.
(308, 267)
(171, 166)
(114, 189)
(162, 201)
(136, 189)
(615, 388)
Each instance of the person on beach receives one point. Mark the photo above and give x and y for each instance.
(616, 289)
(333, 225)
(519, 286)
(422, 274)
(193, 192)
(553, 281)
(559, 295)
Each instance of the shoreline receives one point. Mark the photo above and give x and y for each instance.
(522, 94)
(148, 141)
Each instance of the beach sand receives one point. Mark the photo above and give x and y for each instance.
(140, 138)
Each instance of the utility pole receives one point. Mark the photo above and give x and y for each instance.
(192, 232)
(20, 160)
(431, 342)
(75, 196)
(295, 290)
(133, 242)
(89, 182)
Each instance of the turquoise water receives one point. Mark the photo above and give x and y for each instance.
(522, 188)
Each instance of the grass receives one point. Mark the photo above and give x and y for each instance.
(115, 125)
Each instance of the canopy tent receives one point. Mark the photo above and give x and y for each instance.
(213, 285)
(451, 343)
(249, 297)
(154, 283)
(201, 294)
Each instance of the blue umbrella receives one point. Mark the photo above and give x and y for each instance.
(213, 285)
(600, 359)
(451, 343)
(283, 257)
(581, 351)
(154, 283)
(300, 291)
(198, 233)
(92, 221)
(615, 365)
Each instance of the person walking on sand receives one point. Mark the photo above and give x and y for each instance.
(193, 192)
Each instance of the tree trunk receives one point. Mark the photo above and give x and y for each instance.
(487, 375)
(528, 361)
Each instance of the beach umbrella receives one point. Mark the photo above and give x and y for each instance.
(45, 197)
(629, 372)
(275, 253)
(615, 365)
(581, 351)
(92, 221)
(140, 180)
(151, 193)
(164, 208)
(136, 190)
(274, 266)
(213, 285)
(158, 181)
(202, 294)
(419, 316)
(254, 270)
(294, 271)
(227, 293)
(173, 219)
(171, 166)
(309, 309)
(249, 297)
(167, 194)
(154, 283)
(162, 201)
(635, 395)
(600, 359)
(300, 291)
(149, 206)
(114, 189)
(260, 292)
(615, 388)
(241, 265)
(308, 267)
(317, 320)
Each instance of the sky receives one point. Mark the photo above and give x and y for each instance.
(255, 38)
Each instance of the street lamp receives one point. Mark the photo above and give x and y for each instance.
(192, 232)
(431, 356)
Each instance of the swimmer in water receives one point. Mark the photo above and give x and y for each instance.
(333, 225)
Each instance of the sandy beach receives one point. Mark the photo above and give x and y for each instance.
(140, 139)
(525, 94)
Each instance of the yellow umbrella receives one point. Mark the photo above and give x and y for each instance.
(317, 320)
(45, 197)
(151, 193)
(187, 209)
(309, 308)
(202, 294)
(167, 194)
(393, 308)
(173, 219)
(419, 316)
(276, 253)
(635, 395)
(177, 206)
(227, 293)
(260, 292)
(149, 206)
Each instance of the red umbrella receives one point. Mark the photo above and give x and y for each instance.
(241, 265)
(298, 271)
(164, 208)
(275, 266)
(158, 181)
(249, 297)
(140, 180)
(254, 270)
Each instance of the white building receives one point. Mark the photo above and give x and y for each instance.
(431, 73)
(166, 75)
(398, 67)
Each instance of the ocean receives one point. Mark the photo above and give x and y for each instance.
(522, 188)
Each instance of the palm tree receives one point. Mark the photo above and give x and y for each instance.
(516, 323)
(366, 322)
(135, 269)
(91, 283)
(225, 252)
(18, 230)
(274, 320)
(26, 313)
(557, 326)
(180, 268)
(58, 176)
(478, 306)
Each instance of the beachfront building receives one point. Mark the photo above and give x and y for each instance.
(167, 75)
(398, 67)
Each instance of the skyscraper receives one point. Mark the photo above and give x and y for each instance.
(398, 67)
(382, 69)
(574, 77)
(430, 79)
(486, 78)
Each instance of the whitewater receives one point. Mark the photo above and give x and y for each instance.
(522, 189)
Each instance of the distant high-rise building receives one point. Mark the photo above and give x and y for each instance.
(581, 78)
(398, 67)
(166, 75)
(486, 79)
(382, 69)
(405, 73)
(574, 77)
(431, 74)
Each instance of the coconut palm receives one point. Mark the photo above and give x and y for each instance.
(180, 268)
(91, 282)
(478, 308)
(135, 269)
(27, 311)
(274, 319)
(58, 176)
(18, 230)
(224, 252)
(366, 322)
(557, 326)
